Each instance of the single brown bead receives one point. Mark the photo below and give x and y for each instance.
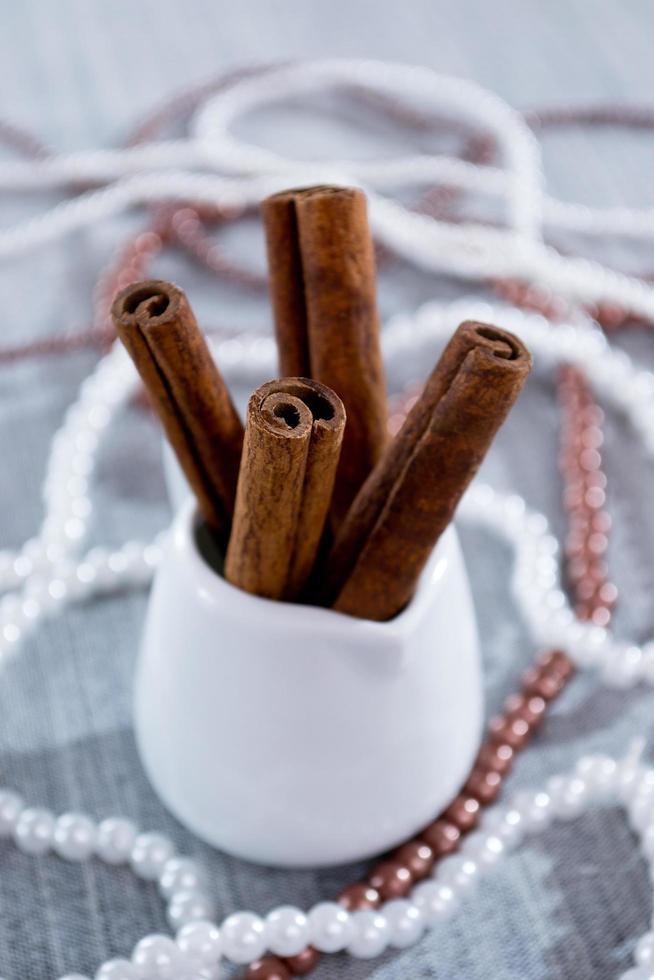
(495, 725)
(598, 571)
(585, 590)
(269, 968)
(514, 731)
(578, 568)
(463, 812)
(594, 481)
(392, 880)
(495, 758)
(303, 962)
(597, 543)
(595, 496)
(532, 710)
(557, 662)
(483, 785)
(360, 895)
(601, 521)
(514, 703)
(608, 593)
(601, 615)
(417, 856)
(592, 415)
(547, 686)
(442, 836)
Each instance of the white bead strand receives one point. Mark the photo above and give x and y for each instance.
(244, 937)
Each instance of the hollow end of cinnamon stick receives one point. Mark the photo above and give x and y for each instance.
(410, 497)
(156, 324)
(146, 301)
(293, 435)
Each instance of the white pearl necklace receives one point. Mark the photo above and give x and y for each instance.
(214, 145)
(468, 250)
(244, 937)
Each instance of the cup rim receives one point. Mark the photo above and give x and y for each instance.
(215, 589)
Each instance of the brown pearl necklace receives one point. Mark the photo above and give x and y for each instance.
(584, 499)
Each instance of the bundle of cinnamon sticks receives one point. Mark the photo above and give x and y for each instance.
(310, 501)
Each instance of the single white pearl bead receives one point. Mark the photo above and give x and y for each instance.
(457, 871)
(150, 854)
(200, 942)
(599, 772)
(34, 831)
(189, 906)
(180, 875)
(11, 806)
(115, 840)
(569, 796)
(536, 808)
(643, 792)
(628, 780)
(644, 954)
(158, 957)
(244, 937)
(288, 930)
(638, 973)
(117, 970)
(508, 825)
(643, 795)
(330, 927)
(371, 934)
(435, 901)
(74, 836)
(405, 921)
(483, 848)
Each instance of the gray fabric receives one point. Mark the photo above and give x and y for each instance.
(570, 903)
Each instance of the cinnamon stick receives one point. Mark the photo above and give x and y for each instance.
(156, 324)
(322, 284)
(410, 497)
(293, 436)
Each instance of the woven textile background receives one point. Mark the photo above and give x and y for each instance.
(571, 902)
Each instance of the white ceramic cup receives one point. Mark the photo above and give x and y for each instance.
(298, 736)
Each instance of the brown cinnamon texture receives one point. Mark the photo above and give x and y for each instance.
(156, 324)
(410, 497)
(293, 437)
(322, 284)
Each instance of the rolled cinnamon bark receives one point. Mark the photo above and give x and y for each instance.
(322, 284)
(410, 497)
(293, 436)
(156, 324)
